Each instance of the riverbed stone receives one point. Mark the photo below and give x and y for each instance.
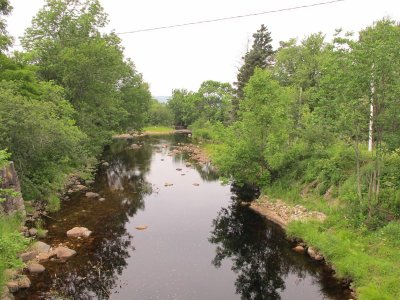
(44, 257)
(32, 231)
(24, 282)
(79, 232)
(168, 184)
(64, 252)
(314, 254)
(27, 256)
(134, 146)
(6, 295)
(12, 286)
(141, 227)
(81, 187)
(102, 199)
(36, 268)
(40, 247)
(92, 195)
(196, 184)
(299, 249)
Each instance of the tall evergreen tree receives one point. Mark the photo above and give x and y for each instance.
(260, 55)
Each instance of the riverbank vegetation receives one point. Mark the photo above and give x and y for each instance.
(64, 96)
(316, 123)
(61, 99)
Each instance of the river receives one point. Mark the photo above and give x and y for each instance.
(200, 243)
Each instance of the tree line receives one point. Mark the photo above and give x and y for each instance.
(65, 94)
(305, 113)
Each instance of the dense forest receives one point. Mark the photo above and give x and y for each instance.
(314, 122)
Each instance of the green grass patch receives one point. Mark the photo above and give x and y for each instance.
(163, 129)
(370, 259)
(11, 244)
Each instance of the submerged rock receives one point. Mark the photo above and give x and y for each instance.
(196, 184)
(141, 227)
(92, 195)
(168, 184)
(64, 252)
(79, 232)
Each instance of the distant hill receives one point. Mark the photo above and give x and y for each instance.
(162, 99)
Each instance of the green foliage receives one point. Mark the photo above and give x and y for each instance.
(159, 114)
(259, 56)
(44, 141)
(11, 244)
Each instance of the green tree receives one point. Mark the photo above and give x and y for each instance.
(260, 55)
(66, 45)
(5, 10)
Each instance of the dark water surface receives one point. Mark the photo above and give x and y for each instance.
(199, 243)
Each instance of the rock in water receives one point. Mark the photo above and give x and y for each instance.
(36, 268)
(92, 195)
(41, 247)
(27, 256)
(141, 227)
(64, 252)
(299, 249)
(196, 184)
(79, 232)
(314, 254)
(168, 184)
(24, 282)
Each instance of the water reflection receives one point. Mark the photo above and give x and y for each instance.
(261, 256)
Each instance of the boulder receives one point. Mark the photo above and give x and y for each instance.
(141, 227)
(12, 286)
(314, 254)
(27, 256)
(40, 247)
(24, 282)
(92, 195)
(79, 232)
(36, 268)
(32, 231)
(64, 252)
(81, 187)
(44, 257)
(6, 295)
(299, 249)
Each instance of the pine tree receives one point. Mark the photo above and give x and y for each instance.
(260, 56)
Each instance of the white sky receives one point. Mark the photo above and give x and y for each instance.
(185, 57)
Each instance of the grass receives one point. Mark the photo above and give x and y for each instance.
(11, 244)
(158, 129)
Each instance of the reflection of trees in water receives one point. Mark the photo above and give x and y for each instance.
(256, 251)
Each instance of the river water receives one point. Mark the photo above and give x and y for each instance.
(199, 243)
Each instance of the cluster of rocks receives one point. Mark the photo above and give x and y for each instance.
(310, 251)
(281, 213)
(32, 232)
(195, 153)
(75, 184)
(37, 255)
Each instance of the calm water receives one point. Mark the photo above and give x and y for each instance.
(199, 243)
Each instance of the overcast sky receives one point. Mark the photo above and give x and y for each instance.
(185, 57)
